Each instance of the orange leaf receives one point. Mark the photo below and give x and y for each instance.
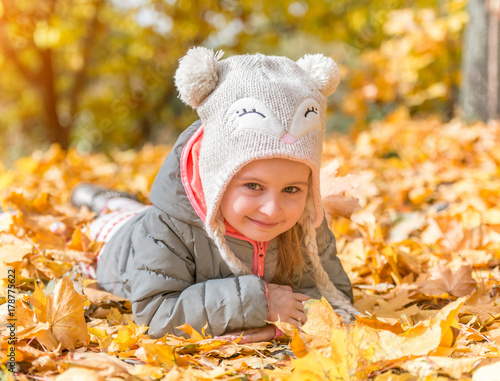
(375, 323)
(298, 346)
(194, 336)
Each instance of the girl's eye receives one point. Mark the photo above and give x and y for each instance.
(290, 189)
(253, 186)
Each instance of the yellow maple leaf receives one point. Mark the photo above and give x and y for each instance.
(127, 337)
(53, 269)
(157, 354)
(59, 317)
(435, 336)
(346, 360)
(321, 318)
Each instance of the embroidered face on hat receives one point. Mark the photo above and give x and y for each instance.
(255, 107)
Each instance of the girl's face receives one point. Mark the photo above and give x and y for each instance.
(266, 197)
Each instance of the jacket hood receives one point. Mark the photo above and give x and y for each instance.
(168, 193)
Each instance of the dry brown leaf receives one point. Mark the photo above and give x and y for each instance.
(339, 206)
(454, 367)
(80, 374)
(444, 281)
(105, 365)
(333, 189)
(97, 296)
(399, 304)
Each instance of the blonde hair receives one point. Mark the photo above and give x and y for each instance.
(291, 265)
(291, 249)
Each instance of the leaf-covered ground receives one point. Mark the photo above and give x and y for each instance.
(422, 249)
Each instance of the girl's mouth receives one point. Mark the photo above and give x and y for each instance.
(263, 224)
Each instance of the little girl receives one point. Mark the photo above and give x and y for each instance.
(236, 236)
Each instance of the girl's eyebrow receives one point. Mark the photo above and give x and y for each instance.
(255, 180)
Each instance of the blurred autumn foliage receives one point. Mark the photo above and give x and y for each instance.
(97, 74)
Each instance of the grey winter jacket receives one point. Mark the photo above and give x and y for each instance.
(163, 261)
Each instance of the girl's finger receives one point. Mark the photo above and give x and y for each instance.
(298, 306)
(298, 317)
(296, 322)
(231, 337)
(302, 317)
(258, 334)
(301, 297)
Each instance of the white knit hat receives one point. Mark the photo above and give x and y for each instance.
(258, 107)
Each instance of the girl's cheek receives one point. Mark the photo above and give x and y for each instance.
(241, 204)
(298, 204)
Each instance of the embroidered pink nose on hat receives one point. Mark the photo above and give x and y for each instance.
(259, 107)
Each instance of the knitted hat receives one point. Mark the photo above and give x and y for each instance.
(258, 107)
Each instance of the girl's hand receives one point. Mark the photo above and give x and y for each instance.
(286, 305)
(253, 335)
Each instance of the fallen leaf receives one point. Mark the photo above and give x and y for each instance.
(435, 336)
(487, 373)
(298, 346)
(454, 367)
(321, 318)
(158, 354)
(444, 281)
(194, 336)
(80, 374)
(59, 317)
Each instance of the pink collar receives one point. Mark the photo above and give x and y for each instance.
(190, 175)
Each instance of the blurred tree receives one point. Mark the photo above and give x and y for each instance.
(474, 96)
(479, 98)
(28, 39)
(98, 73)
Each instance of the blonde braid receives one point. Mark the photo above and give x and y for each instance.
(337, 299)
(237, 267)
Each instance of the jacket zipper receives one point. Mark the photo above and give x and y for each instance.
(259, 253)
(259, 256)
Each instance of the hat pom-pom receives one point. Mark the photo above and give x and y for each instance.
(197, 75)
(322, 70)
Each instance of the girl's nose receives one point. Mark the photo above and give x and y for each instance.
(271, 206)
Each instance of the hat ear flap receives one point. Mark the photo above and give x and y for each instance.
(322, 70)
(197, 75)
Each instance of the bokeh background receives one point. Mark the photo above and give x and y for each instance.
(97, 75)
